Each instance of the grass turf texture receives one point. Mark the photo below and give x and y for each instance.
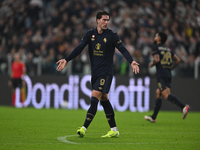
(30, 128)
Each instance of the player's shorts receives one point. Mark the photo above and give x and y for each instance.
(101, 83)
(16, 82)
(163, 83)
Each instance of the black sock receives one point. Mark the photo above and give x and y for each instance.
(157, 107)
(175, 101)
(110, 115)
(91, 111)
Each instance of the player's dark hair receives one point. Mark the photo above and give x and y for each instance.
(163, 37)
(101, 13)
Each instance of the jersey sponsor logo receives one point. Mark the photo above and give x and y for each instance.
(98, 46)
(105, 40)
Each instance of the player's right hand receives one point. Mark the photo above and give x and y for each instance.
(9, 83)
(150, 64)
(61, 64)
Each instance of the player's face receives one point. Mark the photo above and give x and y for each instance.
(17, 57)
(156, 39)
(103, 22)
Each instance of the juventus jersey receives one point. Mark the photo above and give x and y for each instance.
(101, 48)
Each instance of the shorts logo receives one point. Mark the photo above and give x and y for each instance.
(100, 88)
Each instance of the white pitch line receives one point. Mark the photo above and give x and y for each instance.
(64, 139)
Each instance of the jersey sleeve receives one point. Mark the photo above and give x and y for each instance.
(79, 48)
(155, 51)
(120, 46)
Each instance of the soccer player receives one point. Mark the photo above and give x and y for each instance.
(165, 61)
(18, 69)
(101, 48)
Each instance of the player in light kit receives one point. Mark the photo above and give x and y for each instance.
(165, 61)
(101, 48)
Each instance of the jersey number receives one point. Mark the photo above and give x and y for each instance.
(167, 58)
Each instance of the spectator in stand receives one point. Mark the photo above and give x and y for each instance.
(30, 24)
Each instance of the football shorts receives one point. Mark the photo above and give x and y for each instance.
(101, 83)
(163, 83)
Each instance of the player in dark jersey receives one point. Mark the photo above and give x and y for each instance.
(165, 61)
(101, 43)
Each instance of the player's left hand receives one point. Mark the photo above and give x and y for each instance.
(135, 67)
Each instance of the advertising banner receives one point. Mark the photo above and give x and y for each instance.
(73, 92)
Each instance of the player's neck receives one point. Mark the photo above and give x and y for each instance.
(158, 42)
(99, 30)
(17, 61)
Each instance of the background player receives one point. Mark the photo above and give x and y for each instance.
(18, 69)
(101, 47)
(163, 58)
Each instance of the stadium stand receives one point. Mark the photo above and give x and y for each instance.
(45, 31)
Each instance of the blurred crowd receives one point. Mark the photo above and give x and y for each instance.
(44, 31)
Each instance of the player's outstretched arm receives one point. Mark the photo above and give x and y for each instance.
(61, 64)
(135, 67)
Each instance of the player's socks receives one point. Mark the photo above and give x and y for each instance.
(91, 111)
(114, 129)
(157, 107)
(13, 99)
(175, 101)
(110, 115)
(23, 95)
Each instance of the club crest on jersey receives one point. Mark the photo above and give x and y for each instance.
(93, 36)
(98, 46)
(105, 40)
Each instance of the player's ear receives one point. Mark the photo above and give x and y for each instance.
(159, 38)
(97, 20)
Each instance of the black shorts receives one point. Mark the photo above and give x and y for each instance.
(17, 83)
(163, 83)
(101, 83)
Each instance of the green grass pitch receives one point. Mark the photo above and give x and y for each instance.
(46, 129)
